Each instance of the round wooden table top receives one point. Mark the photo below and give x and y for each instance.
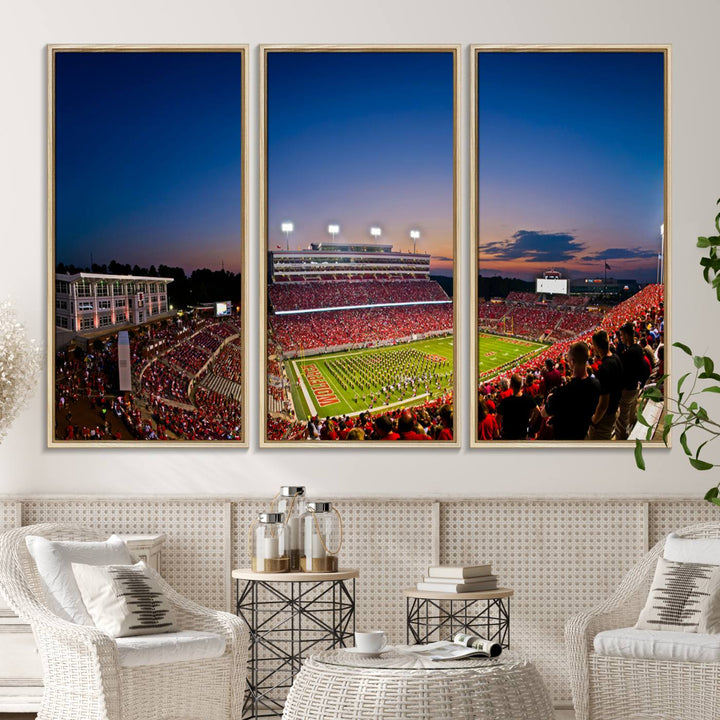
(343, 574)
(496, 594)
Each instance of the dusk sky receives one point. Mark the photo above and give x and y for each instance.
(362, 139)
(570, 163)
(148, 158)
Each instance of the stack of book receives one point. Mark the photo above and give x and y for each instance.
(458, 579)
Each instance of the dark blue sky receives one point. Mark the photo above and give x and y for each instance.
(570, 162)
(148, 158)
(361, 139)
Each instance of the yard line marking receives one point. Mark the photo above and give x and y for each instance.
(301, 382)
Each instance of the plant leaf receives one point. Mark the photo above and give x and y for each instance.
(639, 461)
(701, 464)
(683, 347)
(667, 424)
(703, 242)
(712, 388)
(698, 361)
(712, 493)
(641, 418)
(709, 364)
(684, 443)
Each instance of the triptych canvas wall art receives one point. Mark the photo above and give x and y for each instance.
(358, 243)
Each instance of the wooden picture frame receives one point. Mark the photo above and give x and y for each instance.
(280, 424)
(147, 166)
(478, 212)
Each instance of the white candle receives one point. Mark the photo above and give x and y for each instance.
(271, 548)
(259, 548)
(318, 551)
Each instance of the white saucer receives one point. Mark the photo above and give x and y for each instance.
(359, 653)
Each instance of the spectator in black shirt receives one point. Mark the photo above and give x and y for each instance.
(610, 377)
(514, 412)
(571, 405)
(635, 373)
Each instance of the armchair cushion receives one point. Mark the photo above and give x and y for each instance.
(54, 558)
(658, 645)
(692, 550)
(169, 648)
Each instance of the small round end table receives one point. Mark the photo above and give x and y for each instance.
(290, 615)
(484, 613)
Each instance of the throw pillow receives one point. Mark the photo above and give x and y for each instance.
(53, 559)
(684, 597)
(124, 600)
(692, 550)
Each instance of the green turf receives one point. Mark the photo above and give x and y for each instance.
(495, 351)
(343, 372)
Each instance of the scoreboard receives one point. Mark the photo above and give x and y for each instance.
(551, 286)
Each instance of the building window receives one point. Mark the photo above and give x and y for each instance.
(153, 287)
(62, 286)
(104, 304)
(83, 288)
(163, 307)
(101, 288)
(61, 304)
(62, 321)
(87, 323)
(117, 288)
(85, 305)
(120, 302)
(105, 320)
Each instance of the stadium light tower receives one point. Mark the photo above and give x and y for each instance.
(287, 228)
(333, 230)
(660, 255)
(376, 232)
(415, 235)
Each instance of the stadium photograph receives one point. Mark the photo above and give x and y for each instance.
(569, 215)
(359, 222)
(148, 223)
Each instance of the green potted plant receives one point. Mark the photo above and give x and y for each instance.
(684, 411)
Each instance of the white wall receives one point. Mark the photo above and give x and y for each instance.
(27, 467)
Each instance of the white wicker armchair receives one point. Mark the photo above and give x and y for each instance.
(81, 671)
(614, 688)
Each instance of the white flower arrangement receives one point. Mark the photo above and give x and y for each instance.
(19, 366)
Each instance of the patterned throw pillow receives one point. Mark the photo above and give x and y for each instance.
(684, 597)
(124, 600)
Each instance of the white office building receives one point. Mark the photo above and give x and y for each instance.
(86, 303)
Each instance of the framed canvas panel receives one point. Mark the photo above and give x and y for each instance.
(570, 226)
(147, 224)
(359, 217)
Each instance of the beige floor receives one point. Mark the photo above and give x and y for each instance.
(559, 715)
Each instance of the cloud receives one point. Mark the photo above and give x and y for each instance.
(535, 246)
(441, 258)
(621, 254)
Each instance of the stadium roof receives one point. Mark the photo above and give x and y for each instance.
(100, 276)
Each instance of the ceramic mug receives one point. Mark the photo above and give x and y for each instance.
(373, 641)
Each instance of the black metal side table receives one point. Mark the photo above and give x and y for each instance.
(289, 615)
(438, 615)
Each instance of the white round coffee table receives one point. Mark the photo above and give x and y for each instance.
(340, 685)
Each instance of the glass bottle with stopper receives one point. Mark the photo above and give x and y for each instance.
(291, 502)
(323, 537)
(269, 547)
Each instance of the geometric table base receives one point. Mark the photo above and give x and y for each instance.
(290, 616)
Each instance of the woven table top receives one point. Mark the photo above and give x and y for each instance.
(400, 657)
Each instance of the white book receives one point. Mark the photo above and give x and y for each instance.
(457, 588)
(458, 571)
(455, 581)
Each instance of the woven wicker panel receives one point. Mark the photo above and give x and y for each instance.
(669, 515)
(559, 557)
(390, 542)
(7, 515)
(193, 555)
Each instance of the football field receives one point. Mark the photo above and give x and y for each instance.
(495, 351)
(349, 382)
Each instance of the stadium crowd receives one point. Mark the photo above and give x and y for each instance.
(431, 421)
(594, 379)
(320, 331)
(340, 293)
